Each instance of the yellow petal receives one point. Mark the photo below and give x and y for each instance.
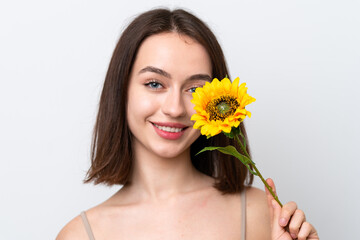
(226, 86)
(197, 117)
(199, 124)
(242, 90)
(225, 128)
(234, 86)
(214, 131)
(248, 114)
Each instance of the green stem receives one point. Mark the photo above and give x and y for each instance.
(243, 148)
(266, 184)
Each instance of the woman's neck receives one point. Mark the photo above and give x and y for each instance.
(155, 178)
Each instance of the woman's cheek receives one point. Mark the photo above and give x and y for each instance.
(147, 105)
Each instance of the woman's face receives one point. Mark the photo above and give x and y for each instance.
(167, 69)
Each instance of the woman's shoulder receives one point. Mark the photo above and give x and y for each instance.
(73, 230)
(257, 211)
(257, 214)
(256, 203)
(256, 196)
(97, 217)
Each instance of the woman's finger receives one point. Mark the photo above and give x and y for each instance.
(275, 211)
(277, 231)
(307, 232)
(296, 222)
(269, 196)
(287, 212)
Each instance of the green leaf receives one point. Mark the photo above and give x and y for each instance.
(230, 150)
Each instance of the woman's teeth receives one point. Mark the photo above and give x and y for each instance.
(168, 129)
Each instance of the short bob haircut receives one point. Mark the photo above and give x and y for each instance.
(111, 150)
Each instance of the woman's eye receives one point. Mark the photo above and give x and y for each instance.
(155, 85)
(192, 90)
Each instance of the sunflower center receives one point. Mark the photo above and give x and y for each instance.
(222, 107)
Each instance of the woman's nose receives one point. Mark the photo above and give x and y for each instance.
(173, 104)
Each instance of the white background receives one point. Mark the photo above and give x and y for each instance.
(300, 60)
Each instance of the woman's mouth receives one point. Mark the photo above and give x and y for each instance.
(171, 131)
(168, 129)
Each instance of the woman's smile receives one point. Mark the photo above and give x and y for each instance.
(168, 130)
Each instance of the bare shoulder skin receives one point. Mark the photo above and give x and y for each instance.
(258, 217)
(73, 230)
(204, 214)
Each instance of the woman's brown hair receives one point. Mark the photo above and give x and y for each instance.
(111, 150)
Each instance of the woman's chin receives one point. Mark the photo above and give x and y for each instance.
(169, 153)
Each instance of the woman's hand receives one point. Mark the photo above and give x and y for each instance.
(288, 222)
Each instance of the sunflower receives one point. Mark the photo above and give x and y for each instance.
(220, 105)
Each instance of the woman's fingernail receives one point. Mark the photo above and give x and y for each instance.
(293, 235)
(283, 222)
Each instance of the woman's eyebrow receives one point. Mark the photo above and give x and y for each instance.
(200, 77)
(155, 70)
(161, 72)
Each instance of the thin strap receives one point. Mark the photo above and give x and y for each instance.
(243, 214)
(87, 226)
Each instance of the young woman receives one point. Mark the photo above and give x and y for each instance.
(144, 140)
